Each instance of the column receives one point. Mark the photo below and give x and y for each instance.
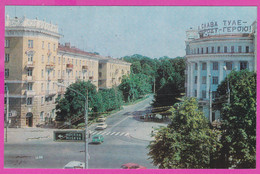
(221, 66)
(208, 79)
(192, 80)
(250, 66)
(236, 63)
(198, 81)
(188, 79)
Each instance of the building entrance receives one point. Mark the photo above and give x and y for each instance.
(29, 119)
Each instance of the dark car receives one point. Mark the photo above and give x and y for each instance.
(132, 166)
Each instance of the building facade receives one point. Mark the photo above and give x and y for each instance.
(35, 62)
(211, 57)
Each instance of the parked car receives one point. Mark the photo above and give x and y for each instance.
(101, 126)
(101, 119)
(132, 166)
(74, 165)
(97, 139)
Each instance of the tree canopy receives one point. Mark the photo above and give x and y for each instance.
(187, 142)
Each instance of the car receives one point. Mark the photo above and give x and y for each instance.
(101, 119)
(74, 165)
(132, 166)
(101, 126)
(97, 139)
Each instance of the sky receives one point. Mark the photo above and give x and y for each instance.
(153, 31)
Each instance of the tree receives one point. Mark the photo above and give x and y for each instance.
(187, 142)
(72, 105)
(239, 120)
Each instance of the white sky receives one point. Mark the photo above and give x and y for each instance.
(120, 31)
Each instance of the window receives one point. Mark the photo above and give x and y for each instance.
(218, 49)
(54, 59)
(29, 86)
(63, 72)
(29, 72)
(30, 43)
(207, 50)
(196, 79)
(212, 50)
(59, 60)
(42, 44)
(100, 65)
(215, 65)
(247, 49)
(100, 74)
(54, 47)
(232, 49)
(204, 66)
(80, 62)
(7, 43)
(196, 66)
(42, 58)
(195, 93)
(240, 49)
(204, 78)
(48, 46)
(48, 59)
(198, 51)
(201, 50)
(76, 62)
(53, 73)
(29, 101)
(42, 73)
(6, 57)
(53, 85)
(203, 94)
(42, 114)
(225, 49)
(58, 73)
(30, 57)
(63, 61)
(215, 80)
(229, 65)
(42, 86)
(243, 65)
(6, 72)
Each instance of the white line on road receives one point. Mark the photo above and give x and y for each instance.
(117, 133)
(122, 133)
(121, 121)
(102, 133)
(113, 133)
(107, 133)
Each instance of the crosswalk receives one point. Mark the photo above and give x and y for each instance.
(104, 133)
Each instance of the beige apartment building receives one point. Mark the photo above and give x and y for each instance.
(35, 62)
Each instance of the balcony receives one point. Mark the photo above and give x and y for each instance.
(69, 66)
(30, 64)
(84, 67)
(30, 78)
(50, 65)
(90, 77)
(30, 93)
(50, 92)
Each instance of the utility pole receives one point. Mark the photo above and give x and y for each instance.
(86, 132)
(210, 100)
(7, 112)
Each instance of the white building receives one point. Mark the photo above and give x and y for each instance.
(211, 54)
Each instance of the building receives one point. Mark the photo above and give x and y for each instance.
(35, 62)
(211, 54)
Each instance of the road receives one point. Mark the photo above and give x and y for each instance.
(125, 140)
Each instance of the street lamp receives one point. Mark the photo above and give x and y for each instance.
(210, 100)
(86, 121)
(225, 68)
(7, 112)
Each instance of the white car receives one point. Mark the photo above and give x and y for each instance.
(101, 119)
(74, 165)
(101, 126)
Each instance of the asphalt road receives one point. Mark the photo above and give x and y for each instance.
(120, 146)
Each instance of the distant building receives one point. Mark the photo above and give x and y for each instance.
(35, 61)
(211, 54)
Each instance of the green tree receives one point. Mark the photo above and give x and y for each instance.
(72, 104)
(187, 142)
(239, 120)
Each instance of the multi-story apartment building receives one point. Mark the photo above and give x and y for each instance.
(35, 62)
(211, 55)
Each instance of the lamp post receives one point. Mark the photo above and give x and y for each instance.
(210, 100)
(86, 121)
(225, 68)
(7, 112)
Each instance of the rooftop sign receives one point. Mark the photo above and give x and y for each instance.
(224, 27)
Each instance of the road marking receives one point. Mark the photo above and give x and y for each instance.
(122, 134)
(107, 133)
(102, 133)
(117, 133)
(113, 133)
(121, 121)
